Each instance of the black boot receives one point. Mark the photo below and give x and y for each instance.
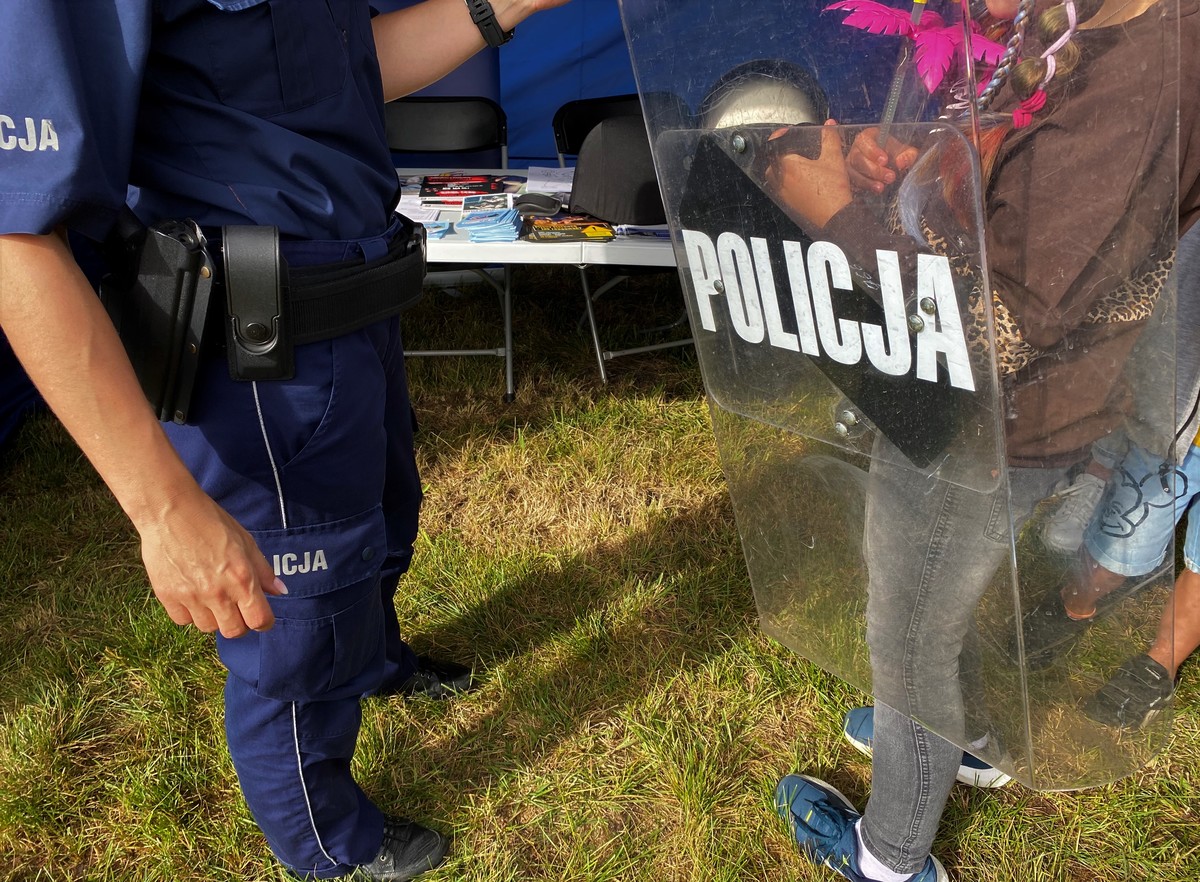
(408, 850)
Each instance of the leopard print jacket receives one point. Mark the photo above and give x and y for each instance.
(1133, 301)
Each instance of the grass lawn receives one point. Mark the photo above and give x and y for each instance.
(578, 547)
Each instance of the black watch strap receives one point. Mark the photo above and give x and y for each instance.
(485, 19)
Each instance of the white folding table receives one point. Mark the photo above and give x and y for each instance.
(457, 248)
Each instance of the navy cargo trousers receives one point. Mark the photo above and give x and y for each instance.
(320, 469)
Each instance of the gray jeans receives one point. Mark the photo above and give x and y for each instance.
(931, 549)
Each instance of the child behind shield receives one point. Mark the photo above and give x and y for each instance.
(1049, 181)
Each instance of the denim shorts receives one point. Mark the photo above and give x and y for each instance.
(1143, 502)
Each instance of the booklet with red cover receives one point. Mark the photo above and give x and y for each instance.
(450, 188)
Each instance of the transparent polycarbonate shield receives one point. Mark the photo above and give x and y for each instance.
(906, 375)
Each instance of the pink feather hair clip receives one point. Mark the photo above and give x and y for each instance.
(936, 43)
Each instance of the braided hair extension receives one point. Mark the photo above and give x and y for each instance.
(1012, 52)
(1029, 76)
(1055, 29)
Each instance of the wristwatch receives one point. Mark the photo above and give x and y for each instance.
(485, 19)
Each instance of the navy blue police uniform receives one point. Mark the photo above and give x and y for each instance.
(253, 112)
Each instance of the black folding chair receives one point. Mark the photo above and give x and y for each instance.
(616, 169)
(574, 120)
(455, 124)
(458, 126)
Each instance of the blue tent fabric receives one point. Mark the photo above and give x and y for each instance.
(574, 51)
(560, 55)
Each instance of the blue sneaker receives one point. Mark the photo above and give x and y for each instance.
(859, 729)
(822, 822)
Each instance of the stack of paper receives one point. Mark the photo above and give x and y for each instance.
(497, 225)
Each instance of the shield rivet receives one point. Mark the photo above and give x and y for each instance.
(916, 324)
(739, 144)
(928, 306)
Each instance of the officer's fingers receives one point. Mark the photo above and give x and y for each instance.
(256, 613)
(203, 619)
(180, 601)
(228, 617)
(831, 137)
(271, 584)
(177, 612)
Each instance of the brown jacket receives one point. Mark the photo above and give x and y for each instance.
(1081, 203)
(1080, 225)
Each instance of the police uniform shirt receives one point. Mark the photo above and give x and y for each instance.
(222, 111)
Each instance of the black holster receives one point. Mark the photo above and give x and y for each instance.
(158, 298)
(258, 336)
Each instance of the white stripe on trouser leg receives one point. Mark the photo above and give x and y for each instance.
(270, 456)
(304, 787)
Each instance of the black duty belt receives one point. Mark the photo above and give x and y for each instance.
(165, 291)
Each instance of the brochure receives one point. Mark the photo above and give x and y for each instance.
(485, 201)
(572, 228)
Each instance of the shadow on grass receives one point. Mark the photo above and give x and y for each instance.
(593, 633)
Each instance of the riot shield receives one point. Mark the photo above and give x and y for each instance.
(903, 375)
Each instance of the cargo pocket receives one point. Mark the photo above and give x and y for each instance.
(328, 637)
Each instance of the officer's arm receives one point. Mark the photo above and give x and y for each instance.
(420, 44)
(205, 569)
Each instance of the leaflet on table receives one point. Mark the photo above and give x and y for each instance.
(573, 228)
(413, 209)
(645, 231)
(497, 225)
(487, 201)
(549, 180)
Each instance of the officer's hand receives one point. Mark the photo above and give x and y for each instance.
(206, 570)
(813, 189)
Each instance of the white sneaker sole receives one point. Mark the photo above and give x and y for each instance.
(986, 778)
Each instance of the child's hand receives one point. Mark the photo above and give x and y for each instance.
(872, 167)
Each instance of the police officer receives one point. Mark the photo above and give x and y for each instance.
(283, 513)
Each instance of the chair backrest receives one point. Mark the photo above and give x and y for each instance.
(574, 120)
(614, 175)
(467, 124)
